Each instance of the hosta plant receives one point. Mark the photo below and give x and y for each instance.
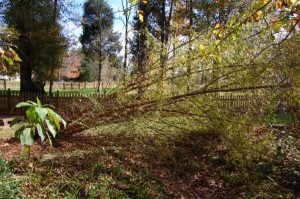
(42, 120)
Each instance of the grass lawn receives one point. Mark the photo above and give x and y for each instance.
(87, 91)
(281, 118)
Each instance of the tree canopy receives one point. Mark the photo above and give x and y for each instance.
(99, 41)
(41, 44)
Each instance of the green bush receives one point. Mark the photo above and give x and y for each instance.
(42, 120)
(9, 186)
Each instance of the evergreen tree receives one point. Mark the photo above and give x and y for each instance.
(99, 41)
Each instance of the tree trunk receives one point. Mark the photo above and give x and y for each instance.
(26, 83)
(100, 62)
(52, 70)
(189, 64)
(163, 40)
(127, 16)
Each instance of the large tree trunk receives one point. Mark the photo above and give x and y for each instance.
(26, 84)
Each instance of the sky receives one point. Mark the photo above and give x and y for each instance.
(75, 30)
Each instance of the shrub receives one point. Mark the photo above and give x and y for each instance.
(42, 120)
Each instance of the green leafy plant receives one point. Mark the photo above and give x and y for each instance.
(9, 185)
(42, 120)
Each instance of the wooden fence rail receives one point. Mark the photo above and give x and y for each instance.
(63, 85)
(71, 102)
(9, 99)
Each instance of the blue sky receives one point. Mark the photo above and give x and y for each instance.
(72, 29)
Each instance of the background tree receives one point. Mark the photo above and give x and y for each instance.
(99, 41)
(41, 43)
(9, 60)
(127, 14)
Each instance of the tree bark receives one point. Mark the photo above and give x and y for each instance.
(190, 16)
(52, 71)
(100, 62)
(163, 39)
(127, 16)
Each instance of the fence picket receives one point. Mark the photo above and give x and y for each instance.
(9, 99)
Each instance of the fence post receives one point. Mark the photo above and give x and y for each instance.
(5, 84)
(9, 100)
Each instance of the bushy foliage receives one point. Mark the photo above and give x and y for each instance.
(9, 185)
(41, 120)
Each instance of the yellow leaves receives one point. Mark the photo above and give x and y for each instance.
(202, 48)
(276, 26)
(1, 51)
(218, 25)
(280, 4)
(293, 1)
(259, 13)
(133, 2)
(141, 15)
(141, 18)
(144, 1)
(218, 58)
(8, 58)
(257, 16)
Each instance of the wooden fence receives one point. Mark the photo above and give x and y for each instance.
(61, 101)
(72, 102)
(15, 85)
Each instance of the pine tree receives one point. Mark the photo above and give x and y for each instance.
(99, 41)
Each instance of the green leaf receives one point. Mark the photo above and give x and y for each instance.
(26, 137)
(51, 127)
(38, 102)
(277, 26)
(23, 104)
(232, 20)
(32, 115)
(41, 132)
(57, 118)
(54, 118)
(14, 122)
(42, 113)
(134, 2)
(61, 120)
(33, 103)
(19, 131)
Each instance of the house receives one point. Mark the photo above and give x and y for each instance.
(70, 70)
